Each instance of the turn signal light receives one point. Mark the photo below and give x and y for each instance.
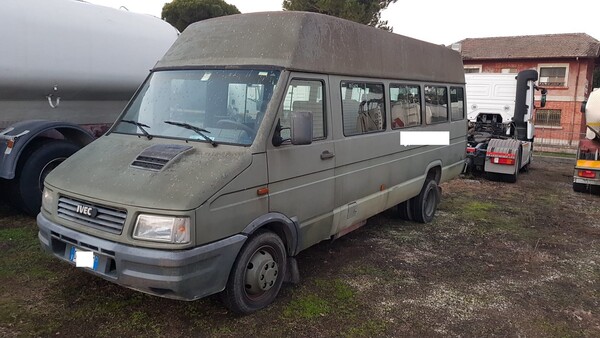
(587, 173)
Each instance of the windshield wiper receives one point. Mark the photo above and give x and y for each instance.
(141, 126)
(199, 131)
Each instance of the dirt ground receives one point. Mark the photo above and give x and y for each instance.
(500, 259)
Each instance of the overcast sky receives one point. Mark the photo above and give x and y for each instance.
(445, 22)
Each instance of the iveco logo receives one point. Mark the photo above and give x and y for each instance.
(87, 211)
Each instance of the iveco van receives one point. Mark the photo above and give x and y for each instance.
(253, 138)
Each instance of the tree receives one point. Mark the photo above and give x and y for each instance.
(182, 13)
(367, 12)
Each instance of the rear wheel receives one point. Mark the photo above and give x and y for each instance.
(404, 210)
(257, 274)
(425, 204)
(26, 188)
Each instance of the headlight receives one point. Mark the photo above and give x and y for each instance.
(47, 199)
(162, 229)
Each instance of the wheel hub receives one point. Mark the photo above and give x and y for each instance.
(261, 273)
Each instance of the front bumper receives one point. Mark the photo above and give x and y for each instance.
(178, 274)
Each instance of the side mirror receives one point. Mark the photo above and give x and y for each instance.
(302, 128)
(583, 104)
(543, 100)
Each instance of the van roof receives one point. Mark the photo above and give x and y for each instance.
(311, 42)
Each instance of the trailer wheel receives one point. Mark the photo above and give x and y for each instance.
(580, 187)
(425, 204)
(257, 274)
(26, 187)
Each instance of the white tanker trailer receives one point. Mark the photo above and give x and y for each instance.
(67, 69)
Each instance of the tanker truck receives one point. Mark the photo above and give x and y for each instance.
(586, 177)
(500, 136)
(67, 70)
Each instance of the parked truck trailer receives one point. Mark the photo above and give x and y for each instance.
(587, 168)
(501, 129)
(68, 68)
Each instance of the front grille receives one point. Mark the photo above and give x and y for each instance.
(106, 219)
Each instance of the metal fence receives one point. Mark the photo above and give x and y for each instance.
(556, 140)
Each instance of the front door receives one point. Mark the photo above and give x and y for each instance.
(301, 182)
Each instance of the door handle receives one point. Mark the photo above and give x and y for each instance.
(327, 155)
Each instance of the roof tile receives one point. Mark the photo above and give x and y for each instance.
(530, 46)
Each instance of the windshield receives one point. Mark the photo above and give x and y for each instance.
(226, 106)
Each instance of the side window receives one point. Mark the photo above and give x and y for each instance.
(406, 105)
(436, 104)
(363, 110)
(457, 103)
(305, 96)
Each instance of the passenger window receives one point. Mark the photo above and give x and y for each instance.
(363, 110)
(436, 104)
(305, 96)
(457, 103)
(406, 105)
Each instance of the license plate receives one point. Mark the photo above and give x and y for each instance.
(73, 255)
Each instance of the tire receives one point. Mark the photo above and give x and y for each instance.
(26, 188)
(425, 204)
(404, 210)
(580, 187)
(257, 274)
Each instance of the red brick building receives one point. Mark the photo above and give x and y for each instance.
(566, 65)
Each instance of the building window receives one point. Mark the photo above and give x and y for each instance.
(436, 104)
(406, 105)
(509, 70)
(472, 69)
(553, 75)
(548, 117)
(363, 110)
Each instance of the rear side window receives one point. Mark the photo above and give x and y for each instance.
(406, 105)
(306, 96)
(436, 104)
(363, 110)
(457, 103)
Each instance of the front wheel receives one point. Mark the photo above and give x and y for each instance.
(257, 274)
(28, 184)
(425, 204)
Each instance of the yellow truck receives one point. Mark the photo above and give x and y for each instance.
(586, 177)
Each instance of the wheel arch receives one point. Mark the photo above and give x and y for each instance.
(434, 170)
(29, 134)
(286, 228)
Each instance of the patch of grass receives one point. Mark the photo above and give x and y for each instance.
(370, 328)
(328, 295)
(556, 329)
(477, 210)
(308, 306)
(21, 255)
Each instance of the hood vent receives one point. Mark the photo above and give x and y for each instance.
(157, 157)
